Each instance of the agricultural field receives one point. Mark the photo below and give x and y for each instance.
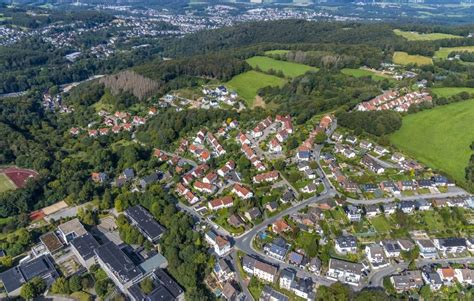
(289, 69)
(363, 72)
(5, 183)
(248, 83)
(443, 52)
(450, 91)
(440, 137)
(415, 36)
(403, 58)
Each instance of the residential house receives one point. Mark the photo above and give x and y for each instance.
(450, 245)
(315, 265)
(407, 280)
(223, 271)
(346, 244)
(270, 176)
(351, 139)
(288, 196)
(229, 291)
(164, 288)
(345, 271)
(296, 259)
(269, 294)
(389, 208)
(427, 248)
(303, 288)
(204, 187)
(447, 275)
(407, 206)
(431, 278)
(253, 214)
(276, 251)
(235, 221)
(280, 226)
(423, 205)
(271, 206)
(376, 257)
(221, 203)
(303, 153)
(371, 210)
(372, 164)
(220, 244)
(406, 185)
(391, 248)
(464, 276)
(353, 213)
(398, 157)
(287, 276)
(367, 145)
(259, 269)
(379, 150)
(242, 192)
(310, 188)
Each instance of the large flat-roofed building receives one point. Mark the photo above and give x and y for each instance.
(164, 289)
(71, 229)
(83, 247)
(144, 221)
(14, 278)
(117, 265)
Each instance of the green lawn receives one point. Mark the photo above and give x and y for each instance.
(5, 183)
(380, 224)
(248, 83)
(403, 58)
(440, 137)
(450, 91)
(289, 69)
(443, 52)
(363, 72)
(415, 36)
(278, 52)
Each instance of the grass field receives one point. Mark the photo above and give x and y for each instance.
(270, 52)
(380, 224)
(403, 58)
(415, 36)
(363, 72)
(289, 69)
(450, 91)
(443, 53)
(248, 83)
(5, 183)
(440, 138)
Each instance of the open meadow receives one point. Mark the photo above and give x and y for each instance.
(415, 36)
(248, 83)
(364, 72)
(443, 52)
(289, 69)
(5, 183)
(450, 91)
(440, 137)
(403, 58)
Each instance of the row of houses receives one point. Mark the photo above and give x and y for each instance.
(435, 278)
(392, 101)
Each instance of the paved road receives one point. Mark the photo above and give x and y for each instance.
(385, 164)
(240, 277)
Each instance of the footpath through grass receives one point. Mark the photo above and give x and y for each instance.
(248, 83)
(440, 137)
(415, 36)
(289, 69)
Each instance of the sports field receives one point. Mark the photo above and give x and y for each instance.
(450, 91)
(415, 36)
(363, 72)
(248, 83)
(289, 69)
(5, 183)
(403, 58)
(443, 52)
(440, 137)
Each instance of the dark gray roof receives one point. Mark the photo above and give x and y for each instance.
(269, 293)
(452, 242)
(116, 260)
(168, 282)
(346, 241)
(129, 173)
(145, 222)
(85, 245)
(39, 267)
